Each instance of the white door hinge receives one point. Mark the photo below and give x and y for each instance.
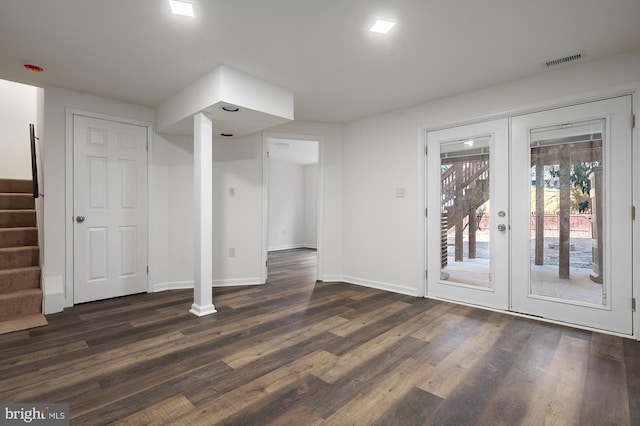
(426, 150)
(633, 121)
(633, 212)
(426, 212)
(633, 304)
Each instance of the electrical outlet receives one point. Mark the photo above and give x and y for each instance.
(232, 252)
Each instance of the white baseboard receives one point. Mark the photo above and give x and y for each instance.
(332, 278)
(237, 282)
(183, 285)
(176, 285)
(201, 311)
(285, 247)
(53, 299)
(394, 288)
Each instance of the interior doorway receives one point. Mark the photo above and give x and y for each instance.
(108, 197)
(293, 195)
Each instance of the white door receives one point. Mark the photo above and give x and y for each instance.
(572, 214)
(110, 209)
(468, 214)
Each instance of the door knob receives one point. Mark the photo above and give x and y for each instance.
(79, 219)
(502, 227)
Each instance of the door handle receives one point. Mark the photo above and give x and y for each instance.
(502, 227)
(79, 219)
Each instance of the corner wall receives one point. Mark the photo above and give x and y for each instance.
(18, 108)
(384, 235)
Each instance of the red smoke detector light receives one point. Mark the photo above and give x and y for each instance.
(33, 67)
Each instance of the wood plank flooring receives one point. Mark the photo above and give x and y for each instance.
(297, 352)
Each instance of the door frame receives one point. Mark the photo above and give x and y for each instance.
(69, 188)
(632, 89)
(265, 200)
(497, 294)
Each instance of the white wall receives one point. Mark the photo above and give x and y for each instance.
(171, 211)
(383, 235)
(237, 220)
(369, 237)
(293, 205)
(286, 205)
(18, 108)
(310, 206)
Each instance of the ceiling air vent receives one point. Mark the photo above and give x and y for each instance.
(564, 60)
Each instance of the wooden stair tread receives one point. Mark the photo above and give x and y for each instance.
(19, 303)
(20, 293)
(16, 201)
(22, 323)
(18, 237)
(24, 248)
(14, 270)
(19, 257)
(14, 279)
(18, 218)
(16, 185)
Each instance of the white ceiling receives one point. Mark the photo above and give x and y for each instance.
(136, 51)
(294, 151)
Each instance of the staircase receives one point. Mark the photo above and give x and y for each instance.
(465, 187)
(20, 291)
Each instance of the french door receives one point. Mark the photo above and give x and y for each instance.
(572, 214)
(467, 214)
(536, 219)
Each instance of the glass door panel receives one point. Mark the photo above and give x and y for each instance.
(567, 240)
(464, 213)
(571, 201)
(467, 199)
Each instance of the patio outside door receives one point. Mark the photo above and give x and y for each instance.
(467, 214)
(572, 214)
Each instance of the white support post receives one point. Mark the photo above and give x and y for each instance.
(203, 229)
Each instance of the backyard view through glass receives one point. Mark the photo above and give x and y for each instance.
(567, 205)
(465, 224)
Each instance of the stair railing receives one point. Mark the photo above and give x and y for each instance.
(472, 170)
(34, 162)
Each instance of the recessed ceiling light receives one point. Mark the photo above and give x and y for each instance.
(230, 108)
(226, 135)
(382, 26)
(181, 8)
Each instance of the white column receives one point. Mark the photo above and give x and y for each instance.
(203, 229)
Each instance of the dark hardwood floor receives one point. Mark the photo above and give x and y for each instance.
(297, 352)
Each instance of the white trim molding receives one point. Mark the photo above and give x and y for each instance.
(69, 186)
(379, 285)
(188, 285)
